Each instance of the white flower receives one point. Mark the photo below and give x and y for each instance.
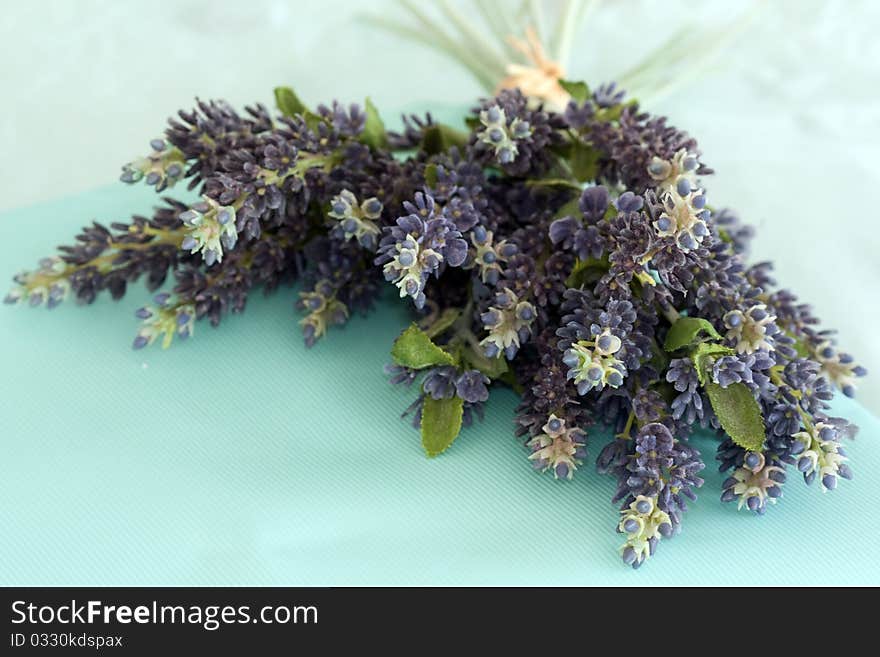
(356, 221)
(592, 364)
(162, 168)
(676, 175)
(840, 368)
(509, 322)
(558, 448)
(501, 136)
(211, 229)
(166, 319)
(819, 455)
(684, 218)
(407, 267)
(749, 329)
(644, 523)
(756, 486)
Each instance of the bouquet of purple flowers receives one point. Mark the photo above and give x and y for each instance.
(571, 255)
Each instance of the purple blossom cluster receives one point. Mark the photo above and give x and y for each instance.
(572, 256)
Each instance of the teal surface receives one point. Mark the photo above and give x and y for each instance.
(240, 457)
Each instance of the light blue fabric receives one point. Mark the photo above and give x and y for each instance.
(240, 457)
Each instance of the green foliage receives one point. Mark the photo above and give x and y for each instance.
(431, 175)
(374, 130)
(446, 319)
(736, 408)
(570, 209)
(584, 161)
(686, 331)
(611, 114)
(473, 123)
(739, 414)
(560, 183)
(413, 348)
(659, 359)
(288, 102)
(441, 423)
(579, 91)
(800, 345)
(586, 271)
(440, 138)
(492, 367)
(703, 356)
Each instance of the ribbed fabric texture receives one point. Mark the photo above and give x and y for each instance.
(240, 457)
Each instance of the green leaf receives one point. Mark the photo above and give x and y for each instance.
(313, 121)
(555, 182)
(686, 331)
(579, 91)
(563, 149)
(570, 209)
(473, 123)
(739, 414)
(431, 175)
(432, 141)
(444, 321)
(510, 379)
(491, 367)
(800, 345)
(704, 354)
(609, 114)
(441, 423)
(659, 360)
(374, 130)
(666, 390)
(586, 271)
(440, 138)
(288, 102)
(584, 161)
(414, 349)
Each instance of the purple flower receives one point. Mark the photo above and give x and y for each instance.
(471, 386)
(422, 243)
